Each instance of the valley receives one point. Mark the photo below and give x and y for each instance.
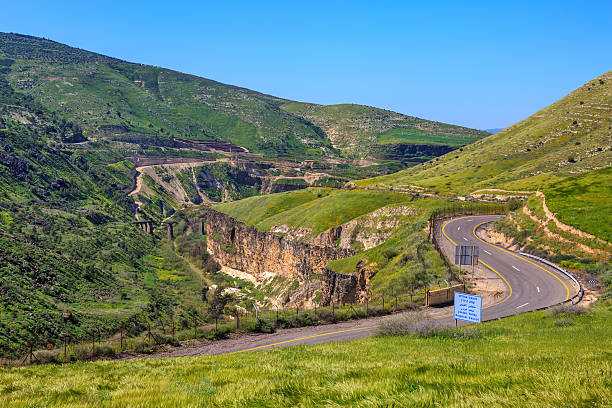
(148, 213)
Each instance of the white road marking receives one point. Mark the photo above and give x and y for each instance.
(518, 307)
(465, 239)
(487, 251)
(516, 268)
(538, 288)
(458, 228)
(470, 220)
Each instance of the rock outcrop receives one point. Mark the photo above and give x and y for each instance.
(342, 288)
(236, 245)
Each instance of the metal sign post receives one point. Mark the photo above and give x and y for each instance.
(474, 259)
(466, 255)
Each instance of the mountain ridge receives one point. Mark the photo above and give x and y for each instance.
(154, 103)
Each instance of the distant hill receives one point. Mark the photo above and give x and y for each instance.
(363, 130)
(493, 130)
(124, 101)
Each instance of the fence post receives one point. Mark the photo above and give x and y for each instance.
(237, 320)
(367, 303)
(395, 301)
(93, 341)
(65, 355)
(121, 336)
(383, 299)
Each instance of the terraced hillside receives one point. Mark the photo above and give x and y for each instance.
(366, 131)
(123, 101)
(562, 150)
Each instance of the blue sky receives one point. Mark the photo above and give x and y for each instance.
(481, 64)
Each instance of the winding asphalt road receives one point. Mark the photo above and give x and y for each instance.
(529, 284)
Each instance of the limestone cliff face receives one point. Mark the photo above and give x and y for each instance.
(236, 245)
(347, 288)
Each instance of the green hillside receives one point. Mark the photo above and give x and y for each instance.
(568, 139)
(71, 259)
(111, 98)
(317, 209)
(363, 131)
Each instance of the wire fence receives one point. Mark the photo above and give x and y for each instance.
(170, 331)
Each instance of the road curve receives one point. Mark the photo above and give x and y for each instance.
(530, 285)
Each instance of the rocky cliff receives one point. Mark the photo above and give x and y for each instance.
(342, 288)
(238, 246)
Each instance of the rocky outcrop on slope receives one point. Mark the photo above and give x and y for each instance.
(342, 288)
(236, 245)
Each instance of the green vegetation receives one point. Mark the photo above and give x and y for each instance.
(222, 181)
(317, 209)
(563, 360)
(73, 261)
(136, 103)
(576, 199)
(357, 129)
(567, 138)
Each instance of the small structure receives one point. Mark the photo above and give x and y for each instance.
(170, 229)
(146, 226)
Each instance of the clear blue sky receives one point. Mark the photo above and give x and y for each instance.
(483, 64)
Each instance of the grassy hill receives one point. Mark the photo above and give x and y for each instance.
(108, 97)
(565, 148)
(71, 258)
(562, 361)
(363, 131)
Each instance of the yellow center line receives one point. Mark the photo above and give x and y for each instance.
(303, 338)
(435, 317)
(524, 259)
(494, 304)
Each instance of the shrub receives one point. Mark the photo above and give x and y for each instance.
(564, 322)
(566, 309)
(409, 323)
(262, 326)
(222, 332)
(514, 204)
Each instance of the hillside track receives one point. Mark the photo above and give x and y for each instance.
(530, 286)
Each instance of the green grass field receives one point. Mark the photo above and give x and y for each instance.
(316, 208)
(530, 360)
(577, 198)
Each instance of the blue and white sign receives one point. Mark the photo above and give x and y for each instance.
(467, 307)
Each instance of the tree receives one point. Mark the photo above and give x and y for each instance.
(217, 304)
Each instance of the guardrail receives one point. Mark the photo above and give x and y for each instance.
(578, 295)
